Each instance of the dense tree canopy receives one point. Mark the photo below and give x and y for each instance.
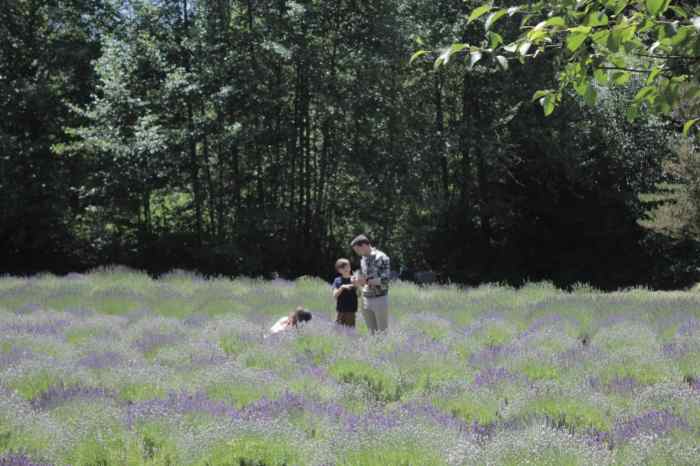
(253, 137)
(603, 42)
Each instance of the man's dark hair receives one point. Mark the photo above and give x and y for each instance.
(359, 241)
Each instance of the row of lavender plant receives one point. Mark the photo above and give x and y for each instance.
(117, 368)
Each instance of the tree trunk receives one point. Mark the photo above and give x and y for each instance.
(440, 139)
(210, 188)
(194, 173)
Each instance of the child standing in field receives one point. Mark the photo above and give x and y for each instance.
(345, 294)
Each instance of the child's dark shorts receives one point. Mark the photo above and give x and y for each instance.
(345, 318)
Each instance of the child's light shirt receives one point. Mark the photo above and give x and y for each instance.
(280, 325)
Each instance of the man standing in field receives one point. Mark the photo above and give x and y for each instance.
(374, 281)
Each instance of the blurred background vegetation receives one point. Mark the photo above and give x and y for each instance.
(257, 137)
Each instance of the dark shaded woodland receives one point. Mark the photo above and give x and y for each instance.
(257, 137)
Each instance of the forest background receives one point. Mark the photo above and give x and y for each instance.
(258, 137)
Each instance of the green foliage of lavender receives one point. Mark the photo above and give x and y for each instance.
(117, 368)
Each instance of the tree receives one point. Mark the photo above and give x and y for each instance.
(602, 41)
(675, 207)
(46, 49)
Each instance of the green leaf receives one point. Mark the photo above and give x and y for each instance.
(618, 6)
(495, 39)
(696, 22)
(513, 10)
(541, 93)
(474, 58)
(443, 59)
(632, 112)
(584, 29)
(597, 18)
(681, 36)
(601, 37)
(688, 125)
(511, 48)
(656, 6)
(479, 12)
(456, 48)
(614, 39)
(502, 61)
(547, 103)
(575, 40)
(524, 47)
(556, 21)
(493, 17)
(601, 76)
(680, 12)
(644, 94)
(620, 78)
(652, 76)
(417, 55)
(591, 95)
(618, 61)
(582, 86)
(624, 31)
(654, 46)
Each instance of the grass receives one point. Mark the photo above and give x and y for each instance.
(253, 451)
(379, 386)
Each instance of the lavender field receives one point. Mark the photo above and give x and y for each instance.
(116, 368)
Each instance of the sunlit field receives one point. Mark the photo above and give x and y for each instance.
(116, 368)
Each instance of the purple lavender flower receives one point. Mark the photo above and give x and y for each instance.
(613, 319)
(14, 356)
(539, 324)
(59, 394)
(80, 312)
(101, 360)
(491, 354)
(416, 343)
(288, 403)
(598, 438)
(492, 376)
(179, 403)
(150, 341)
(138, 314)
(19, 460)
(28, 309)
(196, 320)
(211, 359)
(576, 355)
(653, 422)
(53, 327)
(413, 410)
(317, 372)
(689, 327)
(622, 385)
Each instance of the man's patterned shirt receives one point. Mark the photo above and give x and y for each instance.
(376, 265)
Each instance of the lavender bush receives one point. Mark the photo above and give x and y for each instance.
(116, 368)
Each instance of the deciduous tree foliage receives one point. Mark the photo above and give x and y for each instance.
(253, 137)
(599, 41)
(607, 44)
